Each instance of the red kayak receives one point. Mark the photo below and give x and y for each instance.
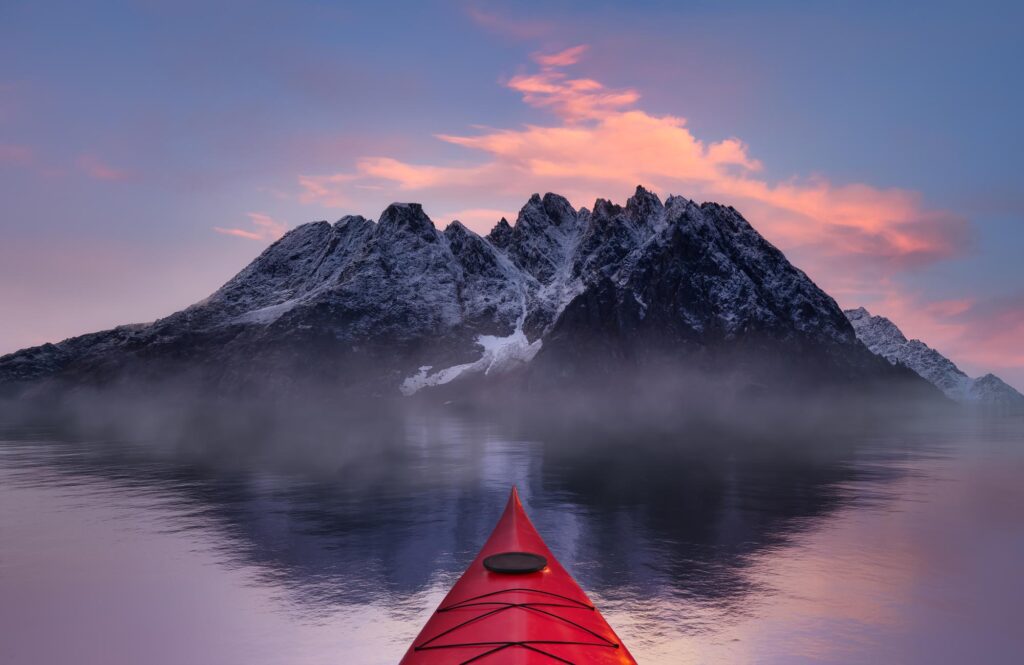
(516, 605)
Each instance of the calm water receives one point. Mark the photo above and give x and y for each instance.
(887, 548)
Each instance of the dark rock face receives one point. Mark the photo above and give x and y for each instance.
(697, 282)
(398, 305)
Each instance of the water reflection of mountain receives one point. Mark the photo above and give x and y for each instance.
(377, 513)
(688, 519)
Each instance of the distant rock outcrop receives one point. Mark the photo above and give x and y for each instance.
(885, 339)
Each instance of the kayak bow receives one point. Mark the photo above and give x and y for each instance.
(516, 605)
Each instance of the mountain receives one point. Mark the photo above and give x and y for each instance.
(398, 306)
(883, 338)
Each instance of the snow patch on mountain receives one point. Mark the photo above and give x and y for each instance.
(500, 354)
(267, 315)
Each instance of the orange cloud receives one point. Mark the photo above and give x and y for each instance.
(569, 56)
(852, 238)
(265, 228)
(96, 168)
(572, 99)
(411, 176)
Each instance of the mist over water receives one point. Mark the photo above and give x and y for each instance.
(767, 533)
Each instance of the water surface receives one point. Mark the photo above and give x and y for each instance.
(885, 547)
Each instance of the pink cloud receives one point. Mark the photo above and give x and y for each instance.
(421, 176)
(265, 228)
(569, 56)
(94, 167)
(325, 189)
(571, 99)
(506, 26)
(604, 143)
(853, 238)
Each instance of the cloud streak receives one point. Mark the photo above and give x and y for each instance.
(325, 189)
(854, 239)
(571, 99)
(603, 142)
(96, 168)
(564, 58)
(264, 228)
(506, 26)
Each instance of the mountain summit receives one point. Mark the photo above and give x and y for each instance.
(397, 306)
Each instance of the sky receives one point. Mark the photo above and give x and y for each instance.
(149, 150)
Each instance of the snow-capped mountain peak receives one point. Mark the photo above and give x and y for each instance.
(401, 305)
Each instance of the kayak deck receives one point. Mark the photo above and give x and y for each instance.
(515, 604)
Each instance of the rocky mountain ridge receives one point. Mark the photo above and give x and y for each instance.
(884, 338)
(398, 305)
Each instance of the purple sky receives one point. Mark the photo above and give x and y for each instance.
(149, 150)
